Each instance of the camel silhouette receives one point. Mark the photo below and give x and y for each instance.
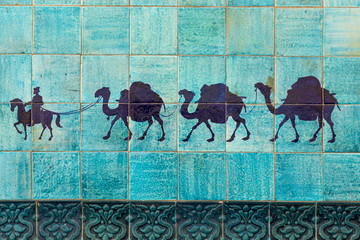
(308, 101)
(144, 105)
(24, 118)
(214, 99)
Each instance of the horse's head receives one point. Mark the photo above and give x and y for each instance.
(15, 103)
(105, 91)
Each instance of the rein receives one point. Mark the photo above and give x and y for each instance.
(256, 96)
(74, 111)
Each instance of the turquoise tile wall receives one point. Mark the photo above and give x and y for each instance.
(78, 50)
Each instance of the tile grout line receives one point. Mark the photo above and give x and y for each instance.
(274, 100)
(80, 117)
(128, 117)
(177, 117)
(225, 135)
(323, 103)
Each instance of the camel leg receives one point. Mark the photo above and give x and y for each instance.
(112, 124)
(330, 122)
(321, 124)
(150, 121)
(193, 128)
(212, 133)
(42, 132)
(280, 125)
(161, 122)
(15, 125)
(292, 119)
(243, 121)
(24, 125)
(125, 120)
(238, 122)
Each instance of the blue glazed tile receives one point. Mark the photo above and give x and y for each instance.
(66, 138)
(57, 30)
(342, 3)
(15, 34)
(260, 123)
(153, 176)
(105, 30)
(309, 3)
(15, 77)
(341, 177)
(103, 71)
(57, 2)
(202, 31)
(289, 69)
(347, 133)
(104, 175)
(250, 2)
(56, 175)
(22, 2)
(154, 2)
(60, 71)
(95, 126)
(153, 30)
(202, 2)
(247, 38)
(242, 73)
(152, 140)
(15, 175)
(10, 139)
(341, 77)
(342, 32)
(159, 72)
(105, 2)
(201, 176)
(257, 176)
(298, 32)
(298, 177)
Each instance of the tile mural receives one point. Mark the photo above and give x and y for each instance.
(179, 119)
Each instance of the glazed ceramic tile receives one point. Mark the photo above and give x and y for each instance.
(250, 2)
(57, 2)
(16, 27)
(105, 2)
(154, 2)
(299, 3)
(341, 3)
(202, 2)
(25, 2)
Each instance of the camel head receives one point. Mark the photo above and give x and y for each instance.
(188, 95)
(105, 91)
(15, 102)
(264, 89)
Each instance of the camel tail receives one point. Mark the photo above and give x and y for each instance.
(58, 120)
(245, 108)
(164, 107)
(337, 104)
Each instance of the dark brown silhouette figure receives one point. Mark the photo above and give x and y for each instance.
(305, 101)
(211, 107)
(144, 105)
(36, 104)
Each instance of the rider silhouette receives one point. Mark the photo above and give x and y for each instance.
(36, 104)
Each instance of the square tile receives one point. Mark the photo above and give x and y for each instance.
(15, 77)
(66, 137)
(15, 36)
(242, 73)
(103, 71)
(159, 72)
(105, 2)
(105, 30)
(342, 32)
(57, 30)
(250, 2)
(60, 71)
(153, 140)
(257, 176)
(341, 177)
(347, 133)
(153, 176)
(299, 3)
(250, 31)
(104, 175)
(202, 2)
(57, 2)
(201, 176)
(298, 177)
(298, 32)
(259, 137)
(154, 2)
(289, 69)
(153, 30)
(56, 175)
(20, 2)
(202, 31)
(15, 175)
(341, 3)
(341, 77)
(95, 126)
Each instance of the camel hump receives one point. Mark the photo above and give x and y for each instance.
(141, 93)
(215, 93)
(309, 82)
(306, 90)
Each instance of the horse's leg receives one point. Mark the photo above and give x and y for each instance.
(280, 125)
(112, 124)
(238, 122)
(330, 122)
(15, 125)
(24, 125)
(42, 132)
(292, 119)
(161, 122)
(51, 133)
(321, 124)
(150, 121)
(193, 128)
(212, 133)
(125, 120)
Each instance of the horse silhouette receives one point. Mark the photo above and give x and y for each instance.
(24, 118)
(140, 103)
(308, 101)
(214, 99)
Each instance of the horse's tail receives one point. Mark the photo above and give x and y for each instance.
(58, 120)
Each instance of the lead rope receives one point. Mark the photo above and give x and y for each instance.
(74, 111)
(254, 103)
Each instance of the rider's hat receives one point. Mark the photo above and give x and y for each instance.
(37, 89)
